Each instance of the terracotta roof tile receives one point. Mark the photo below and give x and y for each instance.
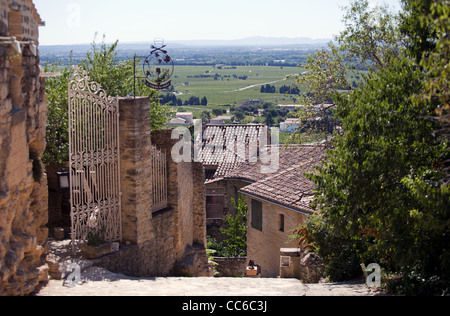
(226, 146)
(289, 187)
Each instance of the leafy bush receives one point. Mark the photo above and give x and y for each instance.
(217, 249)
(235, 229)
(235, 232)
(340, 254)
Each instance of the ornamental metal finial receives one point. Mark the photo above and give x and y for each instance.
(158, 67)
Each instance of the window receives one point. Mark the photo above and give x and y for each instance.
(215, 206)
(285, 262)
(281, 223)
(257, 215)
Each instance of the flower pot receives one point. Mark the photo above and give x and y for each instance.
(90, 252)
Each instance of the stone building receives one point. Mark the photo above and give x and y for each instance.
(277, 203)
(23, 183)
(220, 154)
(163, 241)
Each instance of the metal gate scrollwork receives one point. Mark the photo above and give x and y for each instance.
(94, 153)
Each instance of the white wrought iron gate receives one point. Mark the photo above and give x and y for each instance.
(95, 191)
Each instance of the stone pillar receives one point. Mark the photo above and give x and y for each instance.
(199, 205)
(135, 146)
(290, 262)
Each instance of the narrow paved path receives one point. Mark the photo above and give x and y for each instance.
(100, 282)
(97, 281)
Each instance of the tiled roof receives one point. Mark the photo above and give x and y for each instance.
(289, 156)
(286, 186)
(289, 187)
(226, 146)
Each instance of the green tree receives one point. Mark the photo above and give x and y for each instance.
(115, 77)
(205, 116)
(371, 35)
(217, 112)
(433, 53)
(57, 137)
(380, 191)
(385, 141)
(103, 66)
(420, 33)
(268, 119)
(235, 229)
(238, 115)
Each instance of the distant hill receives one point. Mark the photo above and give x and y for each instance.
(257, 41)
(247, 51)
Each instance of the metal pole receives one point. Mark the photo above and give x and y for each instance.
(134, 77)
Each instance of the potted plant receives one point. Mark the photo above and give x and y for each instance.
(95, 246)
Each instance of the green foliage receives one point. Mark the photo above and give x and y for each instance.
(205, 116)
(115, 77)
(325, 72)
(421, 35)
(211, 253)
(103, 67)
(371, 35)
(57, 137)
(235, 230)
(433, 52)
(217, 249)
(385, 140)
(380, 192)
(95, 238)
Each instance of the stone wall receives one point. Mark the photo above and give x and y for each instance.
(199, 204)
(231, 267)
(168, 242)
(152, 259)
(24, 19)
(23, 183)
(186, 197)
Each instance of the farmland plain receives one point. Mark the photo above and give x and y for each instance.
(230, 85)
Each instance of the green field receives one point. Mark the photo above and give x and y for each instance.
(228, 89)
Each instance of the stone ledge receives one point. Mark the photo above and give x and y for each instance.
(291, 252)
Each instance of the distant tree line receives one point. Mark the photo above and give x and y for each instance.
(171, 99)
(283, 89)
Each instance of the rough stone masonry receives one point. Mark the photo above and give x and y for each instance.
(23, 183)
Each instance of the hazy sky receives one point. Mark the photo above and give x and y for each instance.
(75, 22)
